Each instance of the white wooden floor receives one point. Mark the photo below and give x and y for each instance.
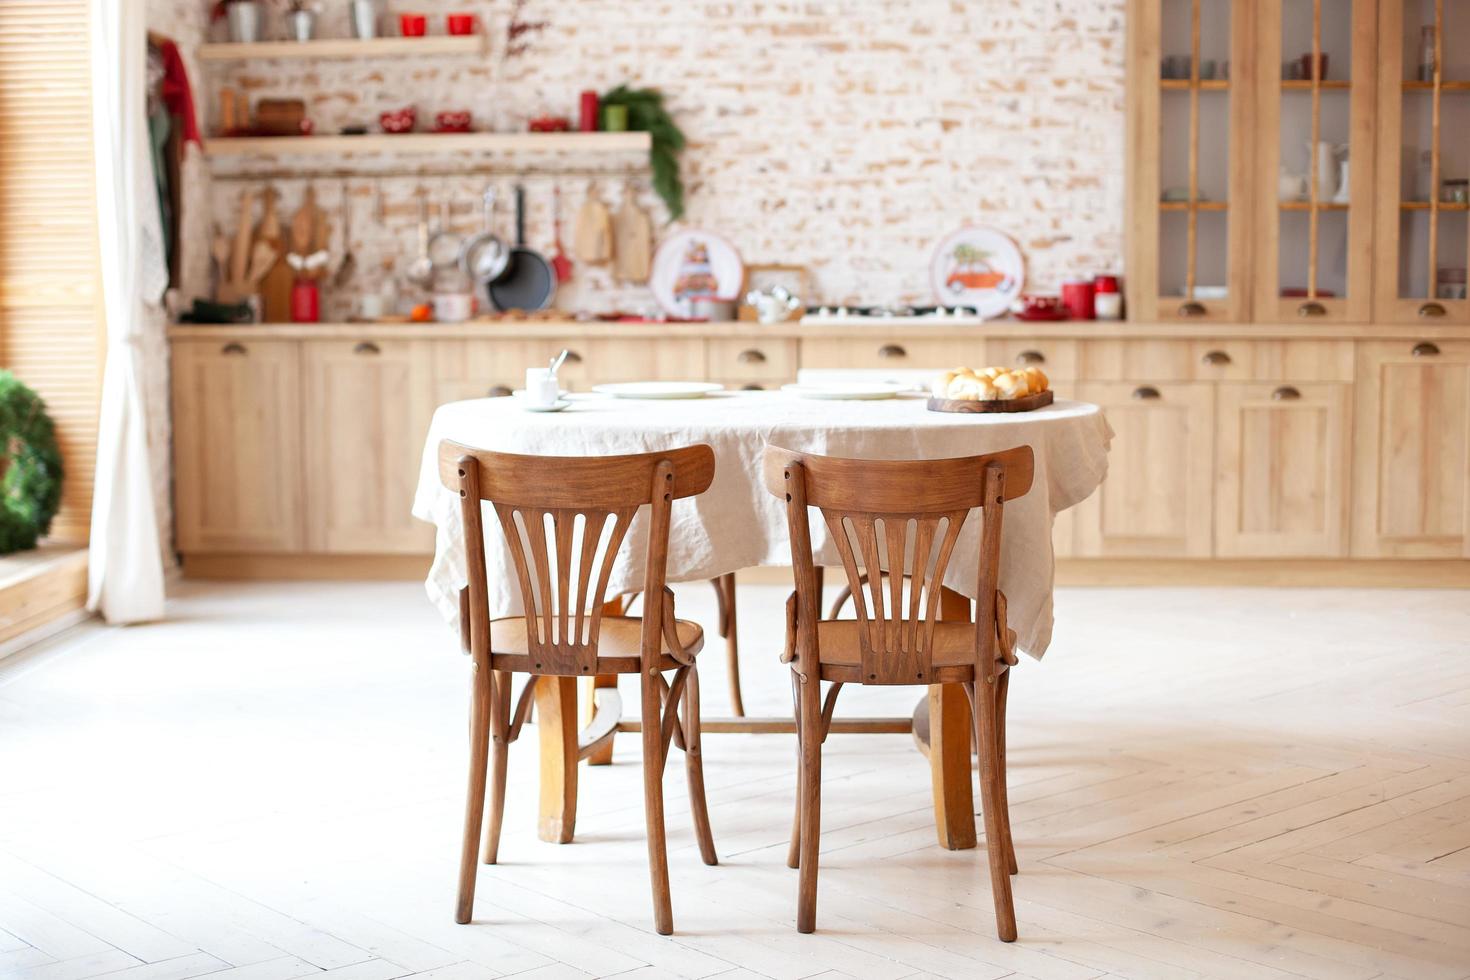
(1219, 783)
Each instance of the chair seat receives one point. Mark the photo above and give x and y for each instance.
(619, 643)
(841, 654)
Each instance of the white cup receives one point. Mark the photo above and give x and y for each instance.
(542, 389)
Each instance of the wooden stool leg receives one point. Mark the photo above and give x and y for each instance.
(1000, 878)
(694, 770)
(499, 757)
(1002, 693)
(811, 802)
(653, 803)
(793, 852)
(474, 811)
(556, 725)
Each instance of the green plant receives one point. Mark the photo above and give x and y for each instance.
(646, 113)
(30, 487)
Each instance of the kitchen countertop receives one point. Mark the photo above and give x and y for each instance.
(1070, 329)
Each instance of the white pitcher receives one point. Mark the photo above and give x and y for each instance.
(1323, 157)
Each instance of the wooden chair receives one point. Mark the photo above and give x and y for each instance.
(893, 517)
(564, 519)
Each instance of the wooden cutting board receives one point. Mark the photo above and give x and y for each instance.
(632, 242)
(592, 237)
(275, 288)
(1026, 404)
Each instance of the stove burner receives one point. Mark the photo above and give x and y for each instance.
(889, 312)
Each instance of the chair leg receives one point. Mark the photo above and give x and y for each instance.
(725, 593)
(474, 811)
(653, 803)
(694, 769)
(1000, 879)
(793, 852)
(499, 757)
(811, 801)
(1002, 692)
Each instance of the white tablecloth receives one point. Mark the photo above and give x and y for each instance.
(736, 524)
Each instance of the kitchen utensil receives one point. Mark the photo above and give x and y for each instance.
(615, 118)
(1025, 403)
(306, 301)
(303, 223)
(398, 120)
(262, 260)
(460, 24)
(715, 309)
(420, 271)
(558, 406)
(592, 235)
(1324, 157)
(528, 282)
(413, 25)
(348, 265)
(587, 117)
(280, 117)
(1078, 297)
(364, 17)
(244, 20)
(244, 235)
(560, 264)
(443, 248)
(1306, 63)
(233, 116)
(658, 390)
(541, 387)
(301, 24)
(453, 121)
(558, 361)
(632, 240)
(275, 286)
(453, 307)
(694, 263)
(849, 391)
(483, 257)
(219, 250)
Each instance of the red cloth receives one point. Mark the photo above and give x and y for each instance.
(176, 93)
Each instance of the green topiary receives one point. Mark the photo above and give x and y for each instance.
(646, 113)
(30, 489)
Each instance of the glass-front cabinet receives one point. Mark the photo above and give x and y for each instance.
(1189, 145)
(1424, 155)
(1314, 186)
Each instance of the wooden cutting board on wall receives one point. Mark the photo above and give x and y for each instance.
(275, 288)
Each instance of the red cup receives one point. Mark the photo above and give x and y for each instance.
(1077, 297)
(306, 301)
(587, 120)
(460, 23)
(1106, 284)
(413, 25)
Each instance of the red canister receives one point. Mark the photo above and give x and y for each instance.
(306, 301)
(587, 123)
(1077, 296)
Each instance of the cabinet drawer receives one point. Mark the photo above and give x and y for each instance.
(1058, 358)
(471, 368)
(892, 352)
(642, 359)
(752, 360)
(1272, 360)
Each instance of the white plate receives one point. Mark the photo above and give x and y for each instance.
(855, 391)
(554, 407)
(658, 389)
(979, 268)
(694, 263)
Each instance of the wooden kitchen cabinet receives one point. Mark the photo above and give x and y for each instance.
(237, 445)
(1411, 474)
(1421, 241)
(1156, 500)
(367, 409)
(1282, 470)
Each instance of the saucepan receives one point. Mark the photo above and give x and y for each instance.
(528, 282)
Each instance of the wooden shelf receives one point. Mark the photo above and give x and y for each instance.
(1424, 206)
(422, 143)
(378, 47)
(1205, 84)
(1307, 206)
(1445, 86)
(1305, 84)
(1198, 206)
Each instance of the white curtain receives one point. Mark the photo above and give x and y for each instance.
(125, 568)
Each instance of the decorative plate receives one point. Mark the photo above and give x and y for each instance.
(977, 267)
(658, 389)
(694, 263)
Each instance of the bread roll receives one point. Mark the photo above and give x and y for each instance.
(970, 388)
(1012, 384)
(1037, 380)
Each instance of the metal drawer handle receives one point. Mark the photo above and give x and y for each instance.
(1030, 357)
(1311, 308)
(1429, 310)
(1146, 393)
(366, 347)
(1425, 349)
(1286, 393)
(573, 357)
(752, 387)
(892, 350)
(751, 356)
(1216, 357)
(233, 348)
(1191, 308)
(498, 391)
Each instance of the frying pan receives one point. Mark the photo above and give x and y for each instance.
(483, 257)
(528, 282)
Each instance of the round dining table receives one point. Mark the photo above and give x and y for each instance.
(736, 524)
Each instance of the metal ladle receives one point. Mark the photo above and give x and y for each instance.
(421, 270)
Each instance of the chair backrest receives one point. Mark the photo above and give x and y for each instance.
(896, 516)
(564, 519)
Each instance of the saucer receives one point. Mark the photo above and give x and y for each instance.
(554, 407)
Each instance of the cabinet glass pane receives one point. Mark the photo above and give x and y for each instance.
(1194, 148)
(1434, 184)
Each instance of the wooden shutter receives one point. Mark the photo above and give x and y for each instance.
(51, 325)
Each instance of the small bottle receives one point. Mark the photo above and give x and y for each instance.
(1107, 301)
(1426, 53)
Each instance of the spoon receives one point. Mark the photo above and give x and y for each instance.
(345, 269)
(421, 270)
